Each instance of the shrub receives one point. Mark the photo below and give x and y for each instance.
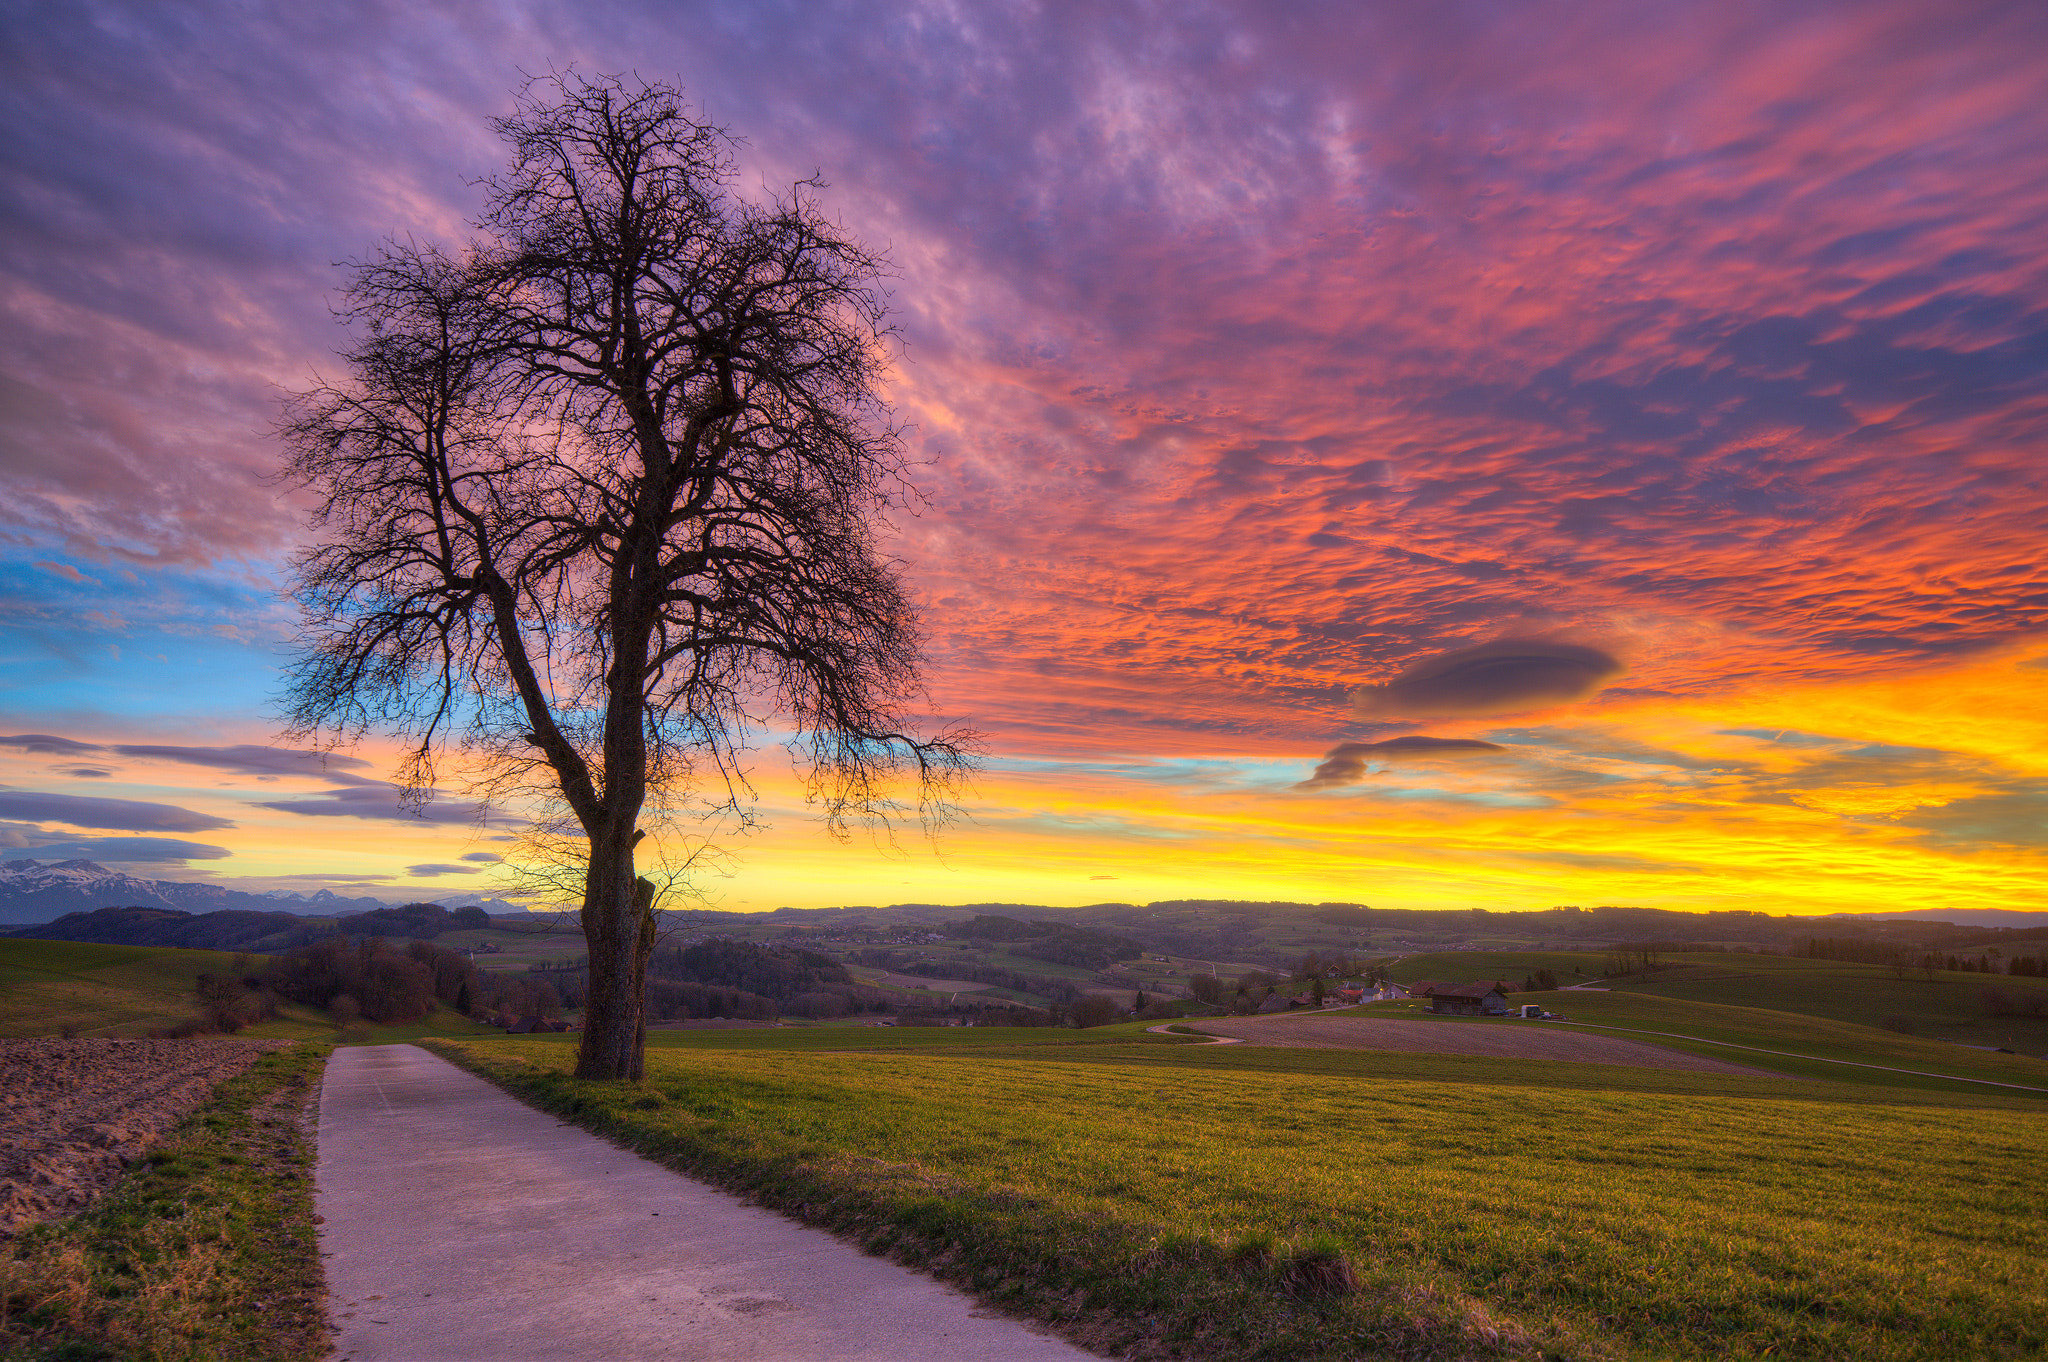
(1096, 1010)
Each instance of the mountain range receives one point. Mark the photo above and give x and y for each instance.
(43, 891)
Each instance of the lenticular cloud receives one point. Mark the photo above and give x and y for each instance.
(1347, 762)
(1501, 677)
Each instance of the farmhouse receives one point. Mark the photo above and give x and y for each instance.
(1469, 1000)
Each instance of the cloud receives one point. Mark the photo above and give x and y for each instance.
(484, 857)
(67, 572)
(1347, 762)
(428, 872)
(121, 849)
(1104, 877)
(85, 772)
(47, 745)
(1720, 322)
(1505, 676)
(85, 811)
(252, 759)
(373, 799)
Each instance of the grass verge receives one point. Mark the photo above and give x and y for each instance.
(205, 1250)
(1133, 1288)
(1228, 1203)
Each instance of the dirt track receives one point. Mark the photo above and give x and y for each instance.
(1506, 1040)
(73, 1113)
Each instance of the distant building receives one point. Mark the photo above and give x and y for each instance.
(1469, 1000)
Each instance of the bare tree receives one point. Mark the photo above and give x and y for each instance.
(600, 493)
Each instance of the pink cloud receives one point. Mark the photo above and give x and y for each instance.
(67, 572)
(1262, 353)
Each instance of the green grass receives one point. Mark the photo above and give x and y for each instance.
(1766, 1029)
(1207, 1201)
(204, 1251)
(1510, 967)
(46, 986)
(306, 1021)
(843, 1038)
(1944, 1005)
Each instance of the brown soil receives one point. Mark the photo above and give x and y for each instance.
(919, 982)
(75, 1113)
(1505, 1039)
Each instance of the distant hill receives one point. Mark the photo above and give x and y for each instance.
(1981, 917)
(237, 929)
(43, 891)
(230, 929)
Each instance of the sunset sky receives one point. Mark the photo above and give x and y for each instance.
(1646, 401)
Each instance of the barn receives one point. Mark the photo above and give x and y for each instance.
(1469, 1000)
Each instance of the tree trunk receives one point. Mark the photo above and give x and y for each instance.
(643, 904)
(612, 930)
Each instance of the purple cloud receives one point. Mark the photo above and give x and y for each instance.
(373, 799)
(47, 745)
(1347, 762)
(85, 811)
(1502, 677)
(251, 759)
(121, 849)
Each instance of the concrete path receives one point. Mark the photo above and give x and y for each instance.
(461, 1225)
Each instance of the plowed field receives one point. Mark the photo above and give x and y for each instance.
(75, 1113)
(1506, 1040)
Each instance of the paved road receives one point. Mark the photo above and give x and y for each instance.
(463, 1225)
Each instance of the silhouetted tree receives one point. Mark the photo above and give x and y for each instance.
(601, 487)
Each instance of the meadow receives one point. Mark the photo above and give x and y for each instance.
(1232, 1202)
(1939, 1006)
(49, 988)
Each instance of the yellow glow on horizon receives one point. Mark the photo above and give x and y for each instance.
(1898, 793)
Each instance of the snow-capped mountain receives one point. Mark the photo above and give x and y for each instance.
(43, 891)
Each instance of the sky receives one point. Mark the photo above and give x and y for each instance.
(1467, 455)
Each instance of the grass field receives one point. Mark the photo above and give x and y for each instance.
(1212, 1200)
(1773, 1030)
(1942, 1006)
(1510, 967)
(844, 1037)
(47, 986)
